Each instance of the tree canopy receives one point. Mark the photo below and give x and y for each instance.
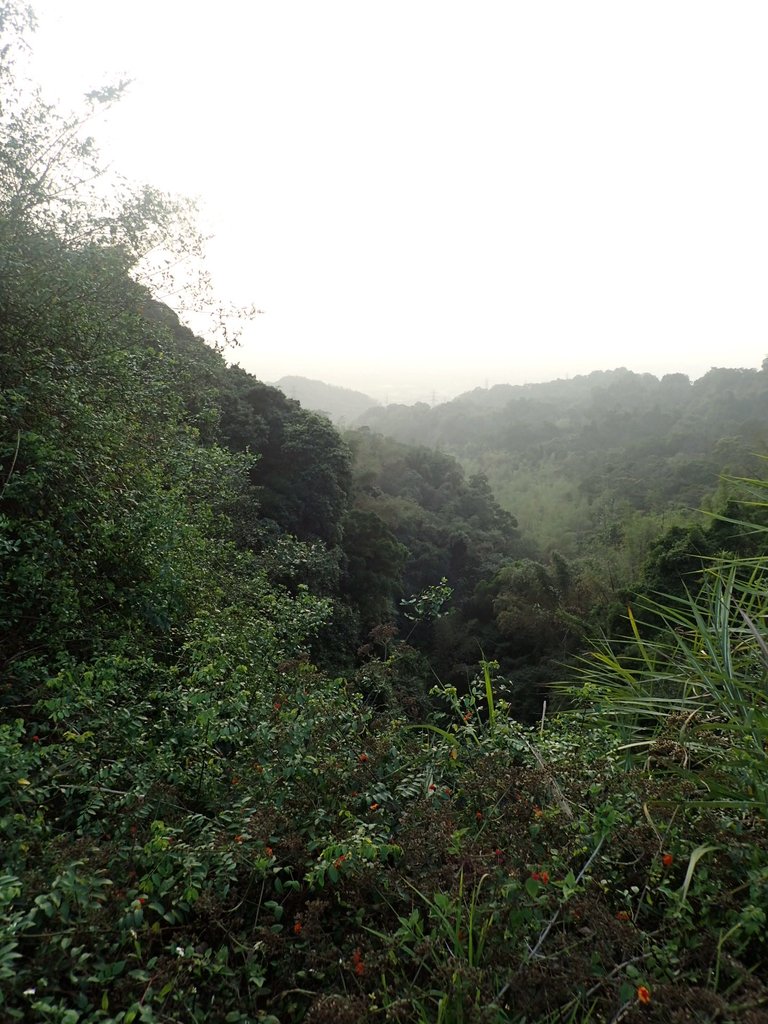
(266, 692)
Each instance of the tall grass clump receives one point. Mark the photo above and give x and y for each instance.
(688, 686)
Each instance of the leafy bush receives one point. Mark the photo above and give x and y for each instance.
(198, 825)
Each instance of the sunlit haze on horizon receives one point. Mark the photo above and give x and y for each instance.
(429, 197)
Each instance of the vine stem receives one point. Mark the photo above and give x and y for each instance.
(13, 463)
(534, 952)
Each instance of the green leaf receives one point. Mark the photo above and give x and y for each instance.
(698, 853)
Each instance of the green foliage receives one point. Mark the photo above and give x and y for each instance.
(417, 519)
(427, 605)
(690, 690)
(451, 527)
(303, 473)
(198, 825)
(374, 567)
(598, 466)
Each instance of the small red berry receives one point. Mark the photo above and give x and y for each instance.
(357, 962)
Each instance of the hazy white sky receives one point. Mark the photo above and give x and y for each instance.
(444, 193)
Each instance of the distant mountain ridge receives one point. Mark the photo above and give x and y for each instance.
(341, 405)
(605, 407)
(569, 456)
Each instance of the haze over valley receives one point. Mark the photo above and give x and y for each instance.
(443, 701)
(432, 198)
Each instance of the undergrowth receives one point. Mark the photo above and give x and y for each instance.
(212, 850)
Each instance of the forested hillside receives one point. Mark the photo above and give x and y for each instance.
(277, 740)
(611, 450)
(341, 405)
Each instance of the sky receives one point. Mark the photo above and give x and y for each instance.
(427, 196)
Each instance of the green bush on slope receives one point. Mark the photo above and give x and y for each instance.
(199, 826)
